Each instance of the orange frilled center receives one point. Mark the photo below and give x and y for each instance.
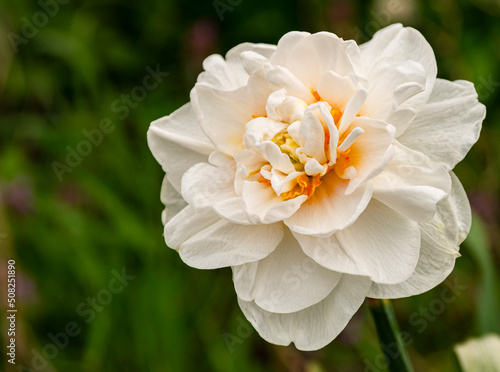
(306, 185)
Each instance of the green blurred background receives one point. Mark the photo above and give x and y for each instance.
(73, 230)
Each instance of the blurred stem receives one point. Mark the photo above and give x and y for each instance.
(389, 336)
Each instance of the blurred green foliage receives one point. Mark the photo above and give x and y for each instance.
(67, 236)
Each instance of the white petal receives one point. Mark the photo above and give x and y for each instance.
(253, 61)
(259, 88)
(186, 223)
(250, 161)
(371, 153)
(381, 244)
(392, 83)
(225, 244)
(441, 238)
(286, 281)
(279, 160)
(294, 131)
(309, 56)
(315, 326)
(283, 78)
(266, 171)
(172, 200)
(449, 124)
(261, 129)
(352, 109)
(329, 209)
(313, 167)
(412, 185)
(263, 206)
(402, 44)
(337, 90)
(286, 43)
(223, 115)
(234, 55)
(349, 140)
(313, 133)
(232, 210)
(282, 182)
(219, 75)
(274, 100)
(334, 137)
(290, 110)
(204, 185)
(177, 142)
(229, 74)
(454, 218)
(402, 117)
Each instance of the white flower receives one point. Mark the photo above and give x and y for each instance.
(320, 171)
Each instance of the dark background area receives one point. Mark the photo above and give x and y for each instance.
(72, 69)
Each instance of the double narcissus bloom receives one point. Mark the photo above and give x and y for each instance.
(320, 171)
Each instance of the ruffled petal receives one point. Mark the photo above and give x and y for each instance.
(412, 185)
(352, 108)
(448, 125)
(315, 326)
(286, 281)
(381, 244)
(263, 206)
(371, 153)
(441, 238)
(286, 43)
(309, 56)
(177, 142)
(172, 201)
(204, 185)
(233, 210)
(313, 134)
(401, 44)
(272, 153)
(186, 223)
(392, 84)
(218, 74)
(206, 241)
(281, 77)
(337, 90)
(223, 115)
(229, 74)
